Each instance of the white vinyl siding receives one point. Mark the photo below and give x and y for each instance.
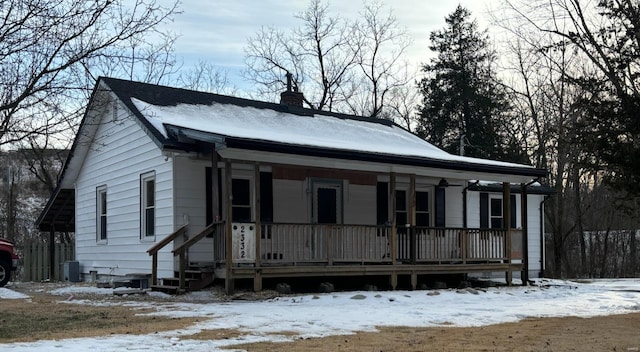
(453, 206)
(360, 205)
(191, 205)
(121, 151)
(535, 234)
(291, 202)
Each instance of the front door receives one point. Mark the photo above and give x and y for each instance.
(327, 210)
(327, 202)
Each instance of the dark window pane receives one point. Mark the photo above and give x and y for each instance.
(241, 214)
(150, 216)
(401, 200)
(150, 193)
(103, 227)
(241, 192)
(422, 219)
(496, 207)
(327, 211)
(422, 201)
(496, 223)
(401, 218)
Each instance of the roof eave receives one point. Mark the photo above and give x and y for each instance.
(268, 146)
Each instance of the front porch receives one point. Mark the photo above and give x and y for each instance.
(256, 251)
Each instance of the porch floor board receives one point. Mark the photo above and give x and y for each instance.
(353, 270)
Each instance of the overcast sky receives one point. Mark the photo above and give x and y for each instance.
(217, 30)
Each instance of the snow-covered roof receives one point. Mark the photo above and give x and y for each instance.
(315, 130)
(251, 124)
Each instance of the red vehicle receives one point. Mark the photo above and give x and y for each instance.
(8, 260)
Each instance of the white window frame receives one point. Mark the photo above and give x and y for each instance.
(429, 211)
(406, 206)
(101, 214)
(493, 216)
(251, 195)
(145, 207)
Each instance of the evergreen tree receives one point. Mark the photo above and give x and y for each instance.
(462, 101)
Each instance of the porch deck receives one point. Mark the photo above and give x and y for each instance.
(302, 250)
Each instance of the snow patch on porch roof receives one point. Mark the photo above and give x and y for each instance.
(321, 131)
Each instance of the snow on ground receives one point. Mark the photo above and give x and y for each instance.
(347, 312)
(6, 293)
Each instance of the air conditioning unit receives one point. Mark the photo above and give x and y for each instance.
(71, 271)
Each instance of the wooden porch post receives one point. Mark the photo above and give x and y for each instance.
(506, 223)
(525, 233)
(412, 218)
(394, 237)
(154, 268)
(228, 281)
(215, 191)
(215, 196)
(257, 279)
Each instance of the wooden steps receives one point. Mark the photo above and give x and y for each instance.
(194, 279)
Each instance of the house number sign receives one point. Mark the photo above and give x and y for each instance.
(244, 242)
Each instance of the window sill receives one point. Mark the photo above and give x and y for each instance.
(148, 239)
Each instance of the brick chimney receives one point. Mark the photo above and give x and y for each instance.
(291, 97)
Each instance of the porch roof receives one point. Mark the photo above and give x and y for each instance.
(183, 119)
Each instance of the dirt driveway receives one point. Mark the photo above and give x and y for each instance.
(608, 333)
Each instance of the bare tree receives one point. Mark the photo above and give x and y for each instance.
(381, 44)
(205, 76)
(48, 49)
(318, 54)
(401, 106)
(536, 65)
(339, 65)
(565, 66)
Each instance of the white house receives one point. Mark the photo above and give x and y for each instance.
(160, 179)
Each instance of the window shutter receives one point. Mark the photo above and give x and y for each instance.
(513, 211)
(382, 203)
(440, 207)
(484, 210)
(208, 195)
(266, 197)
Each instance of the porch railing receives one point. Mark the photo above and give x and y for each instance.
(304, 243)
(429, 244)
(300, 244)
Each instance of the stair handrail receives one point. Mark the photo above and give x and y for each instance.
(182, 250)
(165, 241)
(193, 240)
(153, 251)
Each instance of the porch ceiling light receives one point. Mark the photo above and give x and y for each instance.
(443, 183)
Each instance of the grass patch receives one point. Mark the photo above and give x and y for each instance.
(217, 334)
(44, 318)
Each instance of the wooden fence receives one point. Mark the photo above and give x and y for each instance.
(35, 260)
